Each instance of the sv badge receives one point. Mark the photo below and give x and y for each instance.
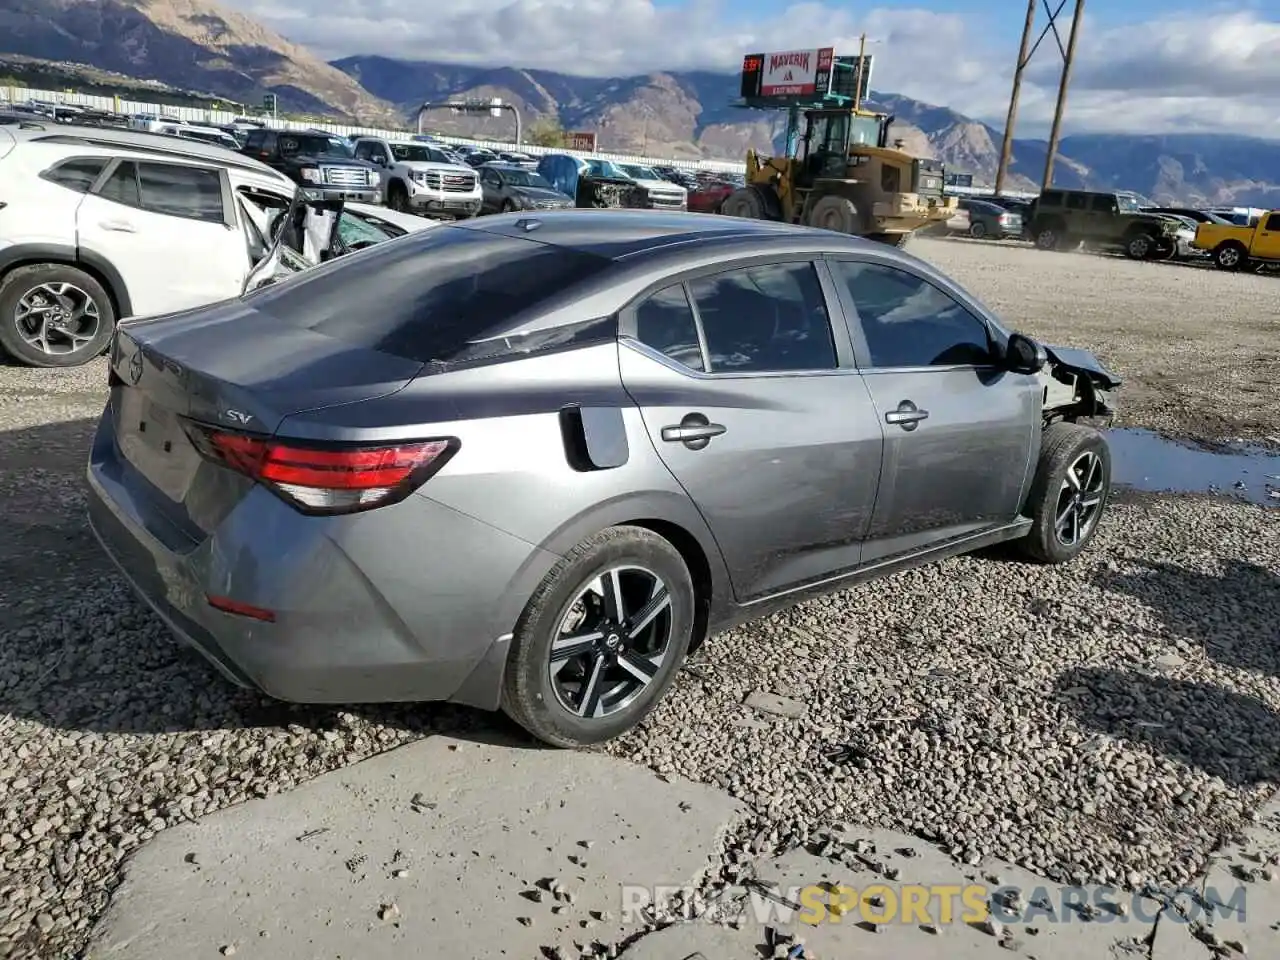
(235, 416)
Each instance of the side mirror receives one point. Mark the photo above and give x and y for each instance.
(1024, 355)
(381, 161)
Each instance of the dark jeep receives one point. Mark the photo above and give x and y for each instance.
(1063, 219)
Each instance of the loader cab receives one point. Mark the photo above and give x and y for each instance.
(831, 140)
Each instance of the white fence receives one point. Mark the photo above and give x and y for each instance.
(216, 117)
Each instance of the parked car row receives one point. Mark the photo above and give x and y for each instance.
(108, 223)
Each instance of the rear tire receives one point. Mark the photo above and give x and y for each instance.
(1073, 479)
(834, 213)
(54, 315)
(978, 230)
(534, 695)
(1230, 256)
(1048, 236)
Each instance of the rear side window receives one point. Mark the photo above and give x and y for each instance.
(78, 174)
(1077, 201)
(665, 322)
(428, 296)
(1051, 198)
(122, 185)
(770, 318)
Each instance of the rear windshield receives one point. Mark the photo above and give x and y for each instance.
(427, 296)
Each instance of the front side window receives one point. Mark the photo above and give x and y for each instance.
(1273, 223)
(767, 318)
(194, 193)
(908, 322)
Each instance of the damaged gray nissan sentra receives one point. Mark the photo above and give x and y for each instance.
(530, 461)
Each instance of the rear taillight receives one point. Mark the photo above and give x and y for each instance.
(326, 478)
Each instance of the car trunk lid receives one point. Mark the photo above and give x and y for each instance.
(234, 368)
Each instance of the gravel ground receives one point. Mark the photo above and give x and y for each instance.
(1197, 347)
(1108, 720)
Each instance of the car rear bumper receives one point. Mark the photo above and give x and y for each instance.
(366, 608)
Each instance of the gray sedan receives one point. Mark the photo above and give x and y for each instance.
(531, 461)
(509, 186)
(991, 220)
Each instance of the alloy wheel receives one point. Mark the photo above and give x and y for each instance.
(1139, 248)
(57, 318)
(611, 642)
(1229, 257)
(1079, 499)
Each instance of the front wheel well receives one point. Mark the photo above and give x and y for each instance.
(695, 559)
(68, 261)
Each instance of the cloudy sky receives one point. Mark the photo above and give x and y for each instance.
(1141, 65)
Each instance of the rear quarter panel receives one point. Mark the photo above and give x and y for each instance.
(1210, 235)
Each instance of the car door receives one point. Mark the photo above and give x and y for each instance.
(959, 429)
(491, 188)
(171, 232)
(1266, 241)
(751, 398)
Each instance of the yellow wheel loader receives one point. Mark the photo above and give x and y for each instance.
(839, 171)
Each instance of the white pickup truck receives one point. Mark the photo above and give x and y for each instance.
(418, 178)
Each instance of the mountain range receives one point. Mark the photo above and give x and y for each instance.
(196, 45)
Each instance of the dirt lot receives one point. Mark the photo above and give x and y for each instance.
(1110, 720)
(1199, 349)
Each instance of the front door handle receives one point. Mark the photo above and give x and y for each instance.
(694, 431)
(118, 226)
(907, 416)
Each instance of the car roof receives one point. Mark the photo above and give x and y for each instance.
(626, 234)
(138, 142)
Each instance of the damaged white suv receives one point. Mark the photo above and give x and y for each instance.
(417, 177)
(97, 225)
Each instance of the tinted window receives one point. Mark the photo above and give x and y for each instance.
(1077, 201)
(1051, 198)
(911, 323)
(1273, 222)
(765, 318)
(177, 191)
(77, 174)
(255, 140)
(665, 323)
(435, 292)
(1103, 202)
(122, 185)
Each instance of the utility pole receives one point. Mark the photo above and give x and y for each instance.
(857, 84)
(1025, 56)
(1006, 148)
(1061, 106)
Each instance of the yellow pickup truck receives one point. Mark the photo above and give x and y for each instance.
(1234, 248)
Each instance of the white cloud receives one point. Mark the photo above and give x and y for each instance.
(1208, 72)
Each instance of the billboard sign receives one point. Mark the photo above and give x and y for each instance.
(581, 140)
(792, 73)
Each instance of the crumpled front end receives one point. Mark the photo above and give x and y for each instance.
(611, 194)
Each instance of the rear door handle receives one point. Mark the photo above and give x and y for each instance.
(907, 416)
(118, 226)
(694, 431)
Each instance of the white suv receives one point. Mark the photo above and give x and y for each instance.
(417, 177)
(99, 224)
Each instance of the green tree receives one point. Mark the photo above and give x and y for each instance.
(546, 133)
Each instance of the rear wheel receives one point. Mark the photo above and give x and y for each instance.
(54, 315)
(508, 206)
(1229, 256)
(744, 202)
(1049, 237)
(601, 639)
(1069, 493)
(977, 229)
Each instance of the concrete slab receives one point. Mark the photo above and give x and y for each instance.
(1242, 888)
(434, 849)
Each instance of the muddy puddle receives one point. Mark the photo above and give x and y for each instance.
(1142, 460)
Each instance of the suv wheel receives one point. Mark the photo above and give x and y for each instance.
(54, 315)
(601, 639)
(1048, 238)
(1140, 246)
(1069, 494)
(398, 197)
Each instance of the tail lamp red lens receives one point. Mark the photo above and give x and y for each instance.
(325, 479)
